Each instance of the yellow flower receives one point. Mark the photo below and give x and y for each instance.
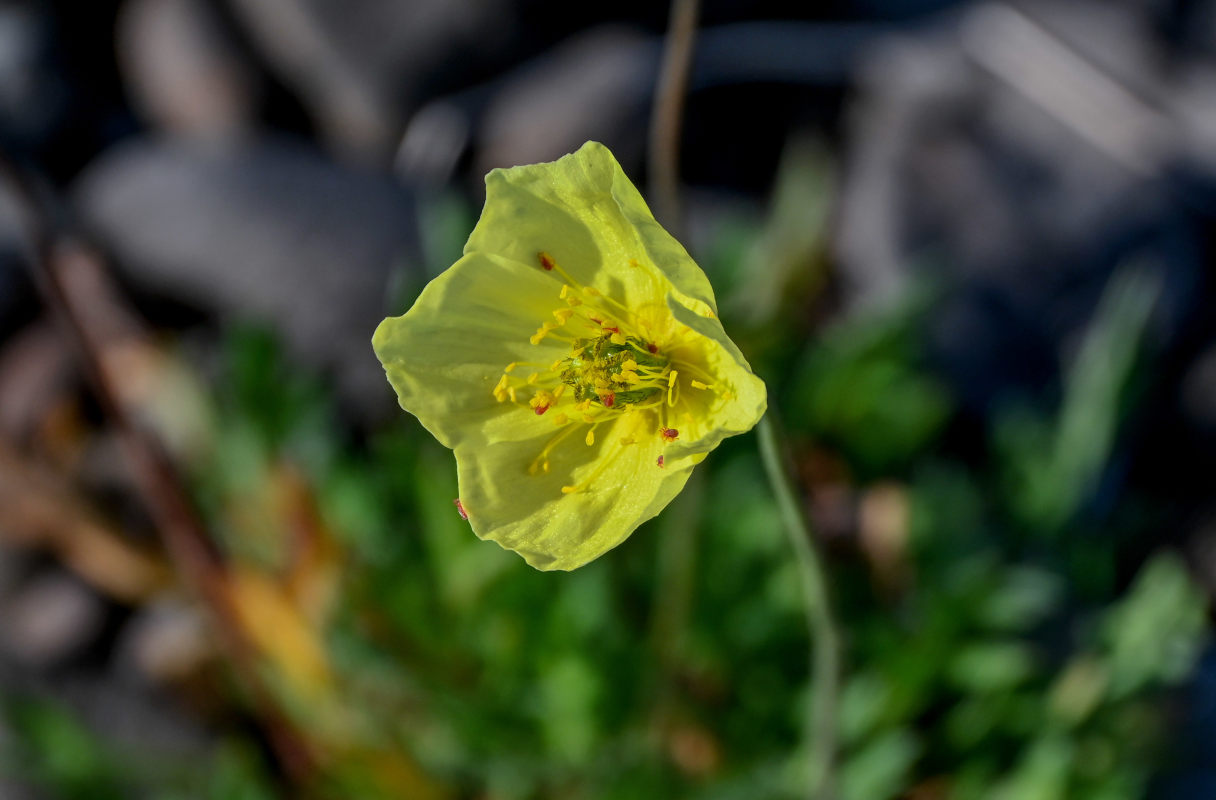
(572, 359)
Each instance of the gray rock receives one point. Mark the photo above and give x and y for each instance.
(357, 65)
(49, 619)
(594, 86)
(1018, 155)
(266, 231)
(183, 74)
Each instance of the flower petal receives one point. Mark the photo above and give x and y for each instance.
(444, 356)
(584, 211)
(529, 514)
(748, 398)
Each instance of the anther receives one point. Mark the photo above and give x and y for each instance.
(546, 261)
(669, 434)
(460, 509)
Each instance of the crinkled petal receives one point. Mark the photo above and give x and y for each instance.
(584, 211)
(530, 515)
(747, 398)
(444, 356)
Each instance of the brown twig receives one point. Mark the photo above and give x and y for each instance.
(667, 114)
(193, 552)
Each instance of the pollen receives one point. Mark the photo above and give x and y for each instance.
(590, 440)
(542, 332)
(542, 401)
(500, 389)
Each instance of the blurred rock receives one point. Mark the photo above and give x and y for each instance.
(183, 74)
(35, 371)
(357, 65)
(166, 642)
(594, 86)
(1017, 156)
(50, 618)
(131, 717)
(266, 231)
(33, 95)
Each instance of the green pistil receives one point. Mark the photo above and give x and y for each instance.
(594, 370)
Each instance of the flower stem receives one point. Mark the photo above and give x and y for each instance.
(825, 656)
(667, 114)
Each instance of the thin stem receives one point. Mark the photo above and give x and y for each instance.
(667, 114)
(825, 657)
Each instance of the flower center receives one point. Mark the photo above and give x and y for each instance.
(614, 369)
(622, 364)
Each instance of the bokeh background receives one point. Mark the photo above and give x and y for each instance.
(969, 246)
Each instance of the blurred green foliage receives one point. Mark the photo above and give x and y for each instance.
(992, 649)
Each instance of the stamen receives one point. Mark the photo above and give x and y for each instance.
(500, 389)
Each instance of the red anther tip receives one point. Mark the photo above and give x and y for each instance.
(541, 409)
(613, 329)
(546, 261)
(652, 347)
(609, 399)
(670, 434)
(660, 462)
(460, 508)
(596, 320)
